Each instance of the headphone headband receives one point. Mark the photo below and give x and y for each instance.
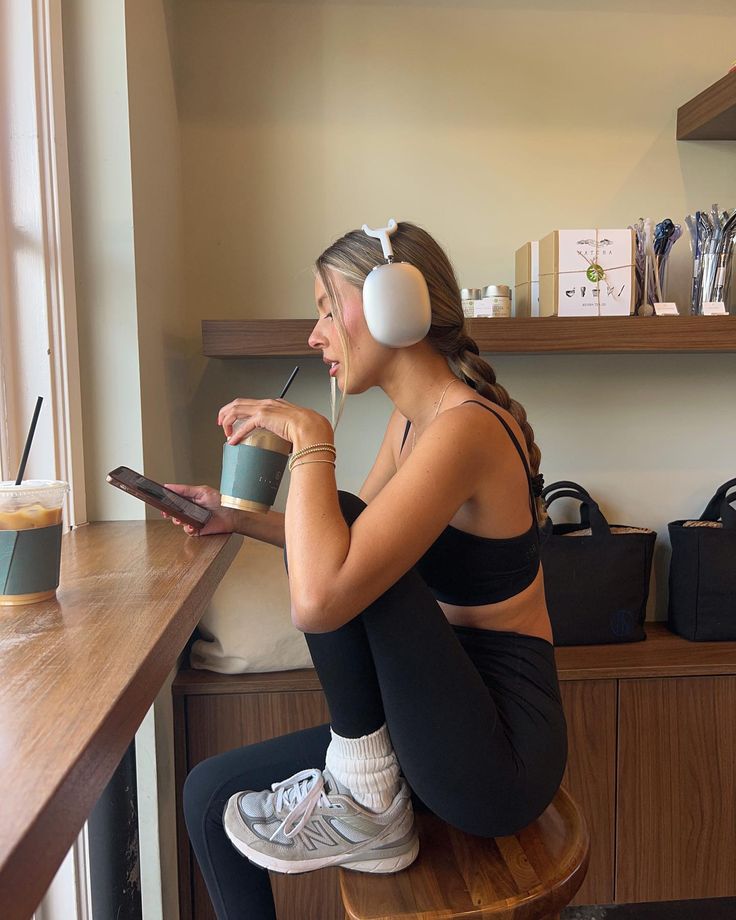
(383, 235)
(395, 296)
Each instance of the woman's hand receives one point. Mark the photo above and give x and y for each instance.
(222, 520)
(292, 423)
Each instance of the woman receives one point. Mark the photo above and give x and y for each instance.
(422, 601)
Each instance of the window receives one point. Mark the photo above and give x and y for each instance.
(38, 344)
(38, 335)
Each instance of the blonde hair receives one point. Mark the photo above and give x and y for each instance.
(355, 254)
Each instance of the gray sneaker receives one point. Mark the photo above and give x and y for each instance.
(309, 821)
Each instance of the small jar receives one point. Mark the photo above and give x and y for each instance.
(496, 301)
(469, 297)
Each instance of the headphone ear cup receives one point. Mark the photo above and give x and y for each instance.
(396, 304)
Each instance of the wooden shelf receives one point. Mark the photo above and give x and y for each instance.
(711, 115)
(553, 334)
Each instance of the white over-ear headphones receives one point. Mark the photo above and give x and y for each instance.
(395, 297)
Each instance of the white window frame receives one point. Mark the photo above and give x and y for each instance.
(39, 353)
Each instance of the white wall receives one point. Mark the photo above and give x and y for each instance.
(490, 124)
(95, 76)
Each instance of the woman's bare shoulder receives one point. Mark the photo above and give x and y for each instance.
(496, 431)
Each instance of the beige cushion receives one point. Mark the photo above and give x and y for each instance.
(247, 626)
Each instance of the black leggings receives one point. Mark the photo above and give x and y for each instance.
(474, 716)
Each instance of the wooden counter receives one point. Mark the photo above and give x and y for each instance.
(79, 674)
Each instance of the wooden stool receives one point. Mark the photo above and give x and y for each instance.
(531, 875)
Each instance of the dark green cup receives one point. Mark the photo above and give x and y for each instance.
(252, 471)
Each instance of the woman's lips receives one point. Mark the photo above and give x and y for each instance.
(333, 368)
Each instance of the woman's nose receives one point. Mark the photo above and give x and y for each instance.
(316, 339)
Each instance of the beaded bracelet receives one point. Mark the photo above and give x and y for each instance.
(312, 449)
(323, 446)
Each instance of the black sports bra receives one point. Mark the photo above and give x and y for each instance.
(467, 570)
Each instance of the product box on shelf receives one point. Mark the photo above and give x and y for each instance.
(586, 273)
(526, 284)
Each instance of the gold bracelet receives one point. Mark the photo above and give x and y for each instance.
(312, 449)
(294, 460)
(305, 450)
(305, 462)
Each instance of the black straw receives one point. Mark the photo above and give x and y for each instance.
(29, 439)
(288, 382)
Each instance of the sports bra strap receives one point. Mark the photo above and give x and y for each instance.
(406, 434)
(533, 502)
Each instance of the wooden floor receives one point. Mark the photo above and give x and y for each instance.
(710, 909)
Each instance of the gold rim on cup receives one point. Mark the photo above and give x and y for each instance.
(242, 504)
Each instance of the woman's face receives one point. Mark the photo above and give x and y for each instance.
(364, 350)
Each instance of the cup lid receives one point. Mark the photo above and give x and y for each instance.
(49, 493)
(9, 489)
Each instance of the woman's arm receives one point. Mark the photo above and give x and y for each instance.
(266, 527)
(269, 527)
(335, 571)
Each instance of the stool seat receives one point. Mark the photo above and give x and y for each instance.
(530, 875)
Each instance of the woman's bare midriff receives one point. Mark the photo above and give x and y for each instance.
(525, 613)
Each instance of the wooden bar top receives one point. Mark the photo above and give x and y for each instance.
(78, 675)
(661, 654)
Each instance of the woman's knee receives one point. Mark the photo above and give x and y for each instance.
(350, 505)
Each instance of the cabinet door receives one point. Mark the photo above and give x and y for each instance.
(676, 789)
(590, 710)
(218, 723)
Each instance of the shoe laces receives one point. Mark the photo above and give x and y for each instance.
(301, 794)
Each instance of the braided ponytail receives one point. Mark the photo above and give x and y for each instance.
(355, 254)
(464, 358)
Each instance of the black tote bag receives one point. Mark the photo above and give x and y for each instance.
(702, 582)
(596, 575)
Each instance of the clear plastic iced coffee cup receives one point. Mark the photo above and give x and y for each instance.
(30, 539)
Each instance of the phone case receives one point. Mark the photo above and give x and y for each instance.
(156, 495)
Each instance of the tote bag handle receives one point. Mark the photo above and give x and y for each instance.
(589, 511)
(720, 506)
(563, 484)
(573, 486)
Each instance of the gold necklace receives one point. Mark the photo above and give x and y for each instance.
(436, 412)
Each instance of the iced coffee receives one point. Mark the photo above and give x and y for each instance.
(30, 540)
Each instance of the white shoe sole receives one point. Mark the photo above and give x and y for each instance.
(383, 865)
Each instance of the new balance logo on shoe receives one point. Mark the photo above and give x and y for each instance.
(315, 834)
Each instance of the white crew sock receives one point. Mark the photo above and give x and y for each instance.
(367, 766)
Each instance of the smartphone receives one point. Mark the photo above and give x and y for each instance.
(153, 493)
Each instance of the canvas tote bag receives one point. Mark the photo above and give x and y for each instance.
(596, 574)
(702, 581)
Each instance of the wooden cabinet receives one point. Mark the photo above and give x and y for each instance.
(590, 710)
(676, 789)
(213, 723)
(652, 755)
